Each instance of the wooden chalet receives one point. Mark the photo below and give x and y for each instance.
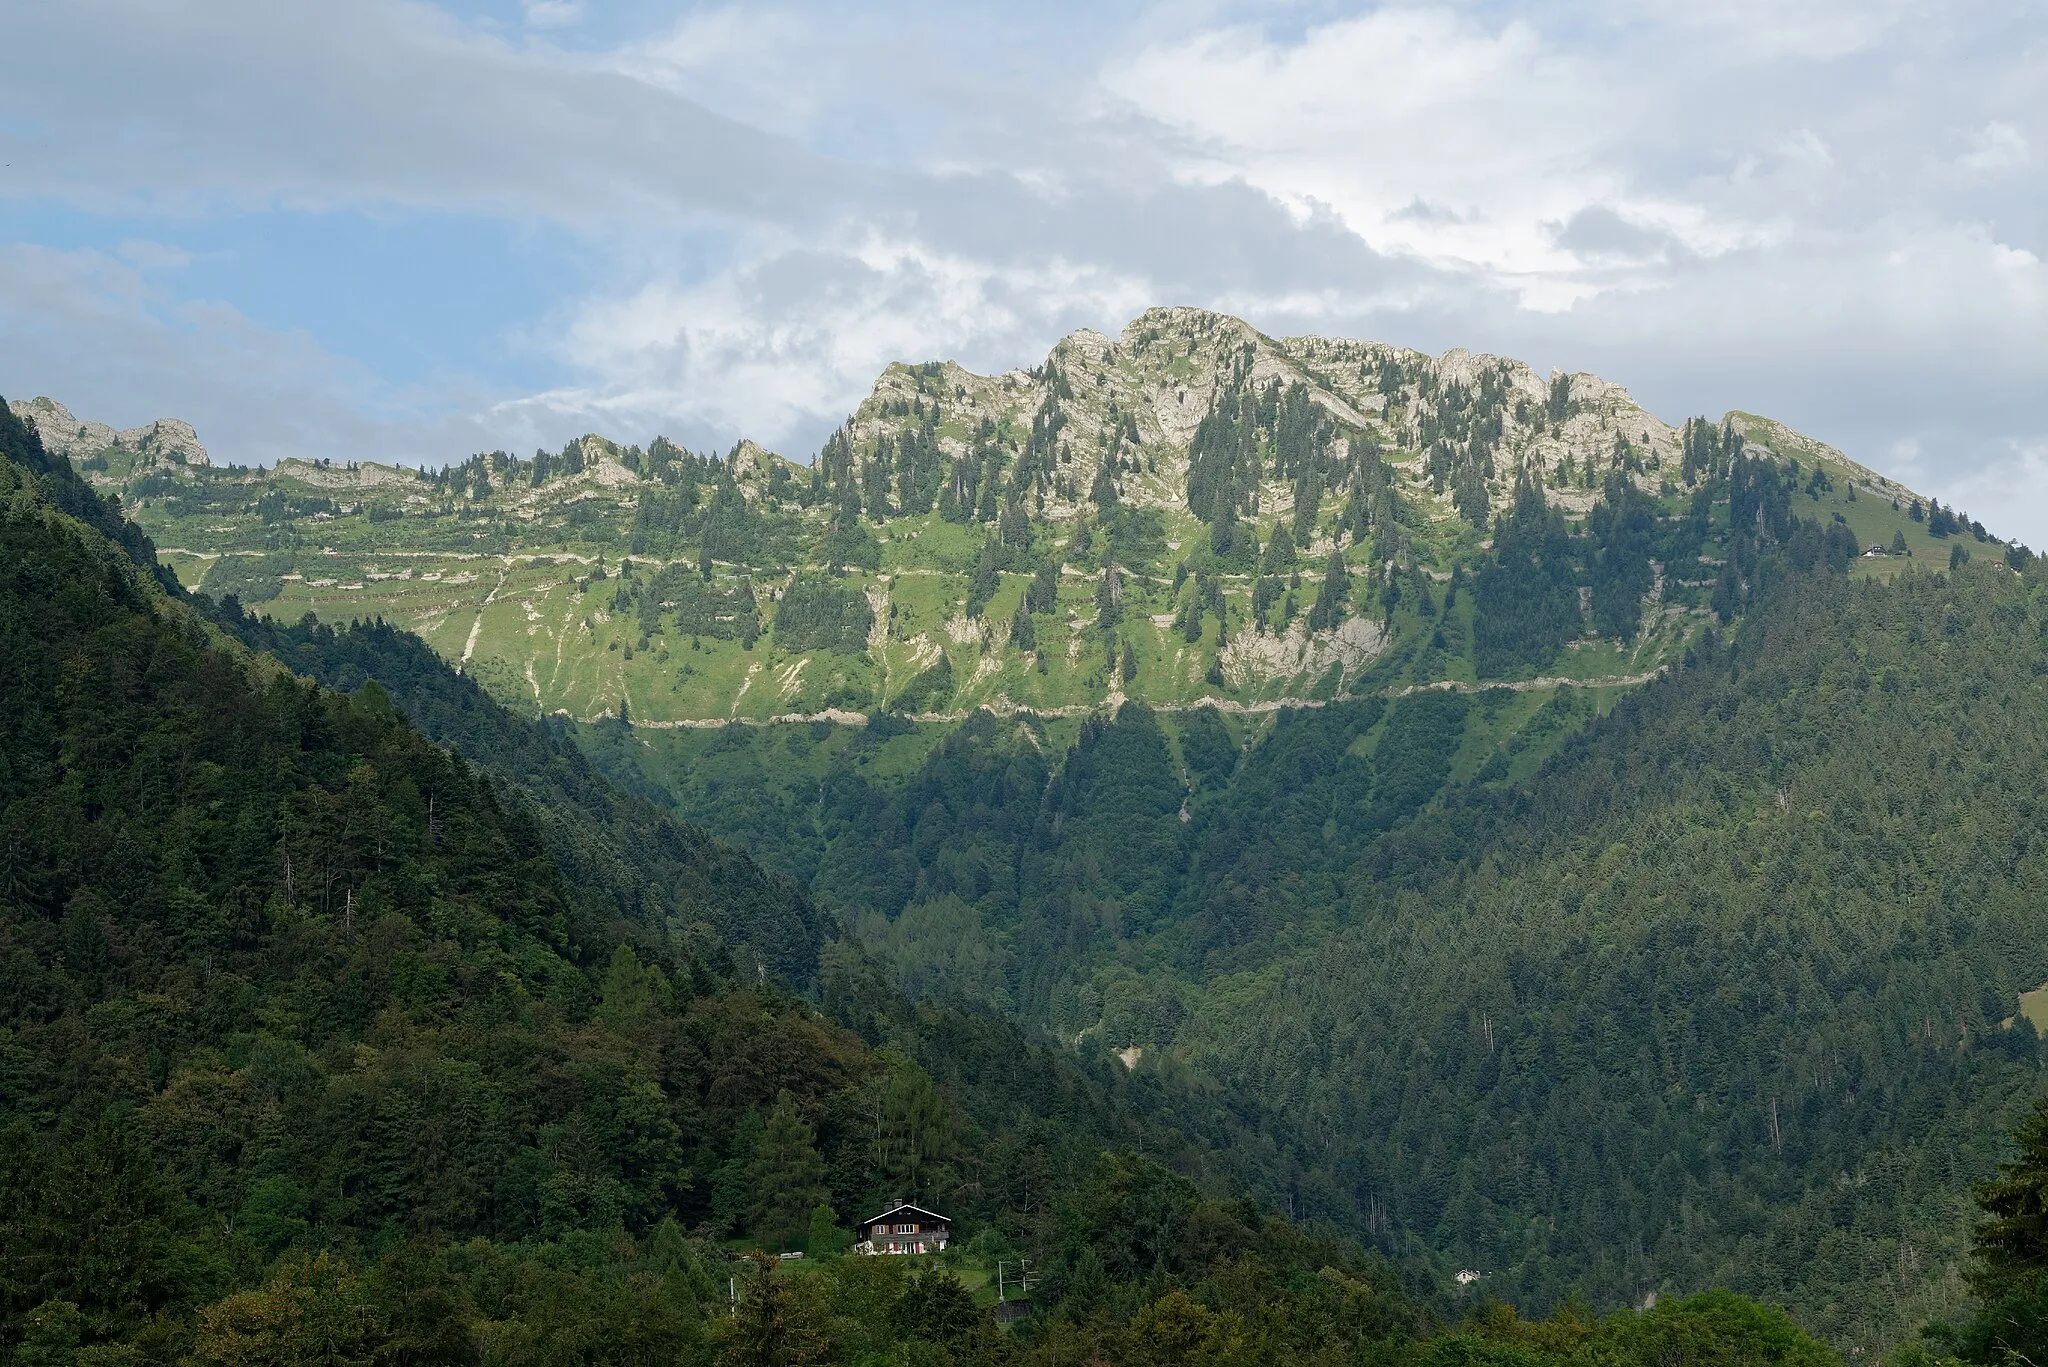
(904, 1229)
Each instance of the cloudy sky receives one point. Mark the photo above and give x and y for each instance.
(400, 230)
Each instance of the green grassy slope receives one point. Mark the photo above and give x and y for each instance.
(562, 581)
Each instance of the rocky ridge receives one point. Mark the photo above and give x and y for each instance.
(943, 495)
(165, 441)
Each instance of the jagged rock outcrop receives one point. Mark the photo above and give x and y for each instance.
(167, 440)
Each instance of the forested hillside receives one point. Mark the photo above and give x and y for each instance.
(311, 1051)
(297, 1002)
(1716, 982)
(609, 844)
(1731, 995)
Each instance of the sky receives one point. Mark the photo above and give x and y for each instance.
(398, 230)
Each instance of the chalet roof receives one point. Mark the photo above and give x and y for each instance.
(902, 1207)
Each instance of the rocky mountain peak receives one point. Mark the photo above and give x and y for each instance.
(165, 441)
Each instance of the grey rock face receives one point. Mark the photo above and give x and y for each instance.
(170, 440)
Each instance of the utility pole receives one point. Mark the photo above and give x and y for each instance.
(1003, 1279)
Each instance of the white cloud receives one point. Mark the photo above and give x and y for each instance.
(1473, 148)
(759, 64)
(783, 347)
(1807, 150)
(1373, 114)
(1998, 146)
(553, 13)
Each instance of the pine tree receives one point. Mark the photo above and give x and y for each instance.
(769, 1327)
(1560, 405)
(936, 1307)
(1043, 595)
(1102, 493)
(824, 1234)
(1279, 556)
(1109, 598)
(987, 579)
(915, 1136)
(1468, 494)
(1022, 634)
(1328, 609)
(786, 1177)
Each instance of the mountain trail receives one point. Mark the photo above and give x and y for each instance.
(1003, 707)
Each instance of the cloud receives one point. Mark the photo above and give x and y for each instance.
(1597, 233)
(1998, 146)
(2005, 487)
(1767, 30)
(248, 105)
(1374, 114)
(553, 13)
(1418, 210)
(784, 347)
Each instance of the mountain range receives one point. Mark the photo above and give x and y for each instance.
(1309, 842)
(1152, 517)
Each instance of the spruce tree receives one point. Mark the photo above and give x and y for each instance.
(824, 1236)
(1102, 493)
(1328, 609)
(987, 579)
(786, 1177)
(1043, 594)
(1279, 556)
(770, 1326)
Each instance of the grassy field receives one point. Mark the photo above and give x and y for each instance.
(541, 632)
(2034, 1006)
